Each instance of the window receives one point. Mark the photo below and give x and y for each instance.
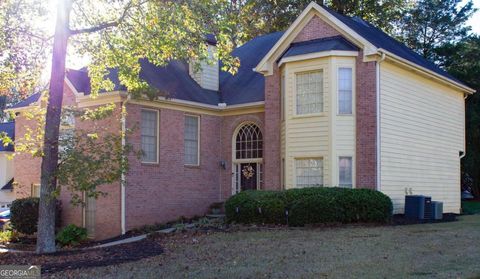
(249, 142)
(345, 91)
(149, 131)
(309, 88)
(191, 140)
(36, 190)
(66, 132)
(345, 171)
(309, 172)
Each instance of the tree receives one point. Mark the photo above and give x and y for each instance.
(462, 60)
(432, 23)
(258, 17)
(118, 34)
(22, 47)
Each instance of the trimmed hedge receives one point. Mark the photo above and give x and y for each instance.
(309, 206)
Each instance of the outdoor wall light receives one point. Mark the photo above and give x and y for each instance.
(223, 164)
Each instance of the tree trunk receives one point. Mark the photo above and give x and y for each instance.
(46, 220)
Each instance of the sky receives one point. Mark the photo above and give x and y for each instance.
(475, 19)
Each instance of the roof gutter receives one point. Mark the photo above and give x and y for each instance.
(409, 64)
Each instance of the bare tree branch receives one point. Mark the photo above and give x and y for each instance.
(104, 25)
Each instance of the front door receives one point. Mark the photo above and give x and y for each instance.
(248, 176)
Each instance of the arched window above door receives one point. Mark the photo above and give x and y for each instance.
(249, 142)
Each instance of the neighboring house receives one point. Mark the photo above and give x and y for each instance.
(332, 101)
(6, 167)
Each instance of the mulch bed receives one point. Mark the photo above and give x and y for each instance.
(399, 219)
(74, 259)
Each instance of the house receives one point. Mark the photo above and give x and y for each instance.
(6, 166)
(332, 101)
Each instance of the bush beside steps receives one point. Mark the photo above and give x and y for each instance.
(298, 207)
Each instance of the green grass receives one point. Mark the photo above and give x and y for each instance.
(471, 207)
(444, 250)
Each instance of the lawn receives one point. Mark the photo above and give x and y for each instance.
(443, 250)
(471, 207)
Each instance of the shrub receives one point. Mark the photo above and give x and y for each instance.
(256, 207)
(24, 215)
(71, 235)
(309, 206)
(7, 236)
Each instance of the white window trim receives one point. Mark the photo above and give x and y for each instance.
(158, 136)
(352, 186)
(198, 141)
(236, 161)
(308, 158)
(338, 90)
(302, 71)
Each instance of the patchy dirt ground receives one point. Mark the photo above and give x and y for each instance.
(443, 250)
(64, 261)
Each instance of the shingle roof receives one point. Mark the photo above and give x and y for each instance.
(247, 85)
(28, 101)
(9, 129)
(381, 40)
(8, 186)
(324, 44)
(175, 82)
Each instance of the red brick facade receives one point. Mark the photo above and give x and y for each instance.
(166, 190)
(229, 125)
(316, 28)
(272, 152)
(366, 126)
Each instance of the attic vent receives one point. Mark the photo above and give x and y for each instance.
(207, 76)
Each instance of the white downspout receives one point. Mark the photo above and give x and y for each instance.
(378, 118)
(123, 182)
(464, 136)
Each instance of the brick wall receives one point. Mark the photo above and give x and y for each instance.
(272, 144)
(366, 124)
(316, 28)
(165, 191)
(108, 208)
(229, 125)
(28, 169)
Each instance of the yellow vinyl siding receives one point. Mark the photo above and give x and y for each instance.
(207, 75)
(422, 132)
(306, 136)
(323, 135)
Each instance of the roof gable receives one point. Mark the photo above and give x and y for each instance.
(373, 41)
(308, 15)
